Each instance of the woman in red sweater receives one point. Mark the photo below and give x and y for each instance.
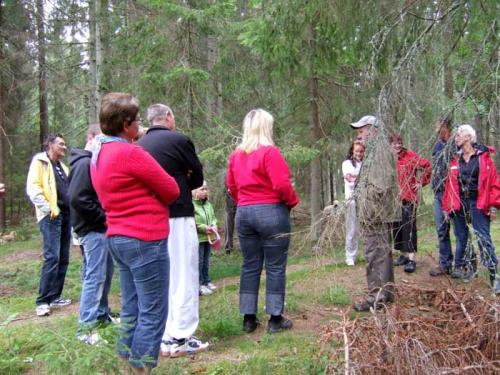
(414, 172)
(258, 178)
(135, 193)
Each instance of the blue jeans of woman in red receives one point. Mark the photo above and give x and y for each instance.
(264, 234)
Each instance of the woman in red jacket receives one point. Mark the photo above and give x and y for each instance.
(472, 195)
(135, 192)
(414, 172)
(258, 178)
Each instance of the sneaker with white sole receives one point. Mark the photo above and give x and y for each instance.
(189, 346)
(60, 302)
(205, 290)
(166, 347)
(92, 339)
(349, 262)
(42, 310)
(211, 286)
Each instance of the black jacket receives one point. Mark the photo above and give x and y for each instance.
(176, 154)
(87, 214)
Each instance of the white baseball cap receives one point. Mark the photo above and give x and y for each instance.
(363, 121)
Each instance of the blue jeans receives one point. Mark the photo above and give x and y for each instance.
(443, 233)
(56, 238)
(96, 281)
(264, 234)
(469, 213)
(203, 262)
(144, 274)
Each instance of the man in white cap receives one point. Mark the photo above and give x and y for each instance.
(377, 202)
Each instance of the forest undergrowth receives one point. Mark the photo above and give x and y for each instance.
(320, 291)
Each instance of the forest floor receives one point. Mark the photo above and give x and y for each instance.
(320, 288)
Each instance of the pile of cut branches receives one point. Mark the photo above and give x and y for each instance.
(425, 332)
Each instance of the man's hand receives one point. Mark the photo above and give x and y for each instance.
(492, 213)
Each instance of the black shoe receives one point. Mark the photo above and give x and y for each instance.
(459, 273)
(410, 266)
(362, 306)
(275, 327)
(439, 271)
(401, 261)
(250, 324)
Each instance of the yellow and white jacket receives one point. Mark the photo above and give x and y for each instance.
(41, 186)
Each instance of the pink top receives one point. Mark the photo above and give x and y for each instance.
(260, 177)
(134, 191)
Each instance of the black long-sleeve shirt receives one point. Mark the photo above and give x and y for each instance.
(176, 154)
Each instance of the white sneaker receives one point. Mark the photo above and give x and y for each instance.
(205, 290)
(190, 346)
(211, 286)
(92, 339)
(349, 262)
(42, 310)
(166, 348)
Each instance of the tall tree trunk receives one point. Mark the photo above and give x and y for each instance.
(42, 81)
(190, 97)
(3, 127)
(94, 85)
(447, 69)
(315, 135)
(214, 93)
(102, 48)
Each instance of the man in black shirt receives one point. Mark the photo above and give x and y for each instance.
(176, 154)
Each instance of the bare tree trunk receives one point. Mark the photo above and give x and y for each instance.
(2, 126)
(42, 89)
(314, 137)
(213, 96)
(190, 98)
(94, 85)
(101, 48)
(447, 69)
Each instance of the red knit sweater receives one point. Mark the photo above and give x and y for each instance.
(260, 177)
(134, 191)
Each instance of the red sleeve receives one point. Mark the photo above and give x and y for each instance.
(230, 183)
(279, 174)
(494, 191)
(426, 171)
(146, 169)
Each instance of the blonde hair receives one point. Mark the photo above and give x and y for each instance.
(194, 192)
(257, 130)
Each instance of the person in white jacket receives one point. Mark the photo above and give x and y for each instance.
(350, 170)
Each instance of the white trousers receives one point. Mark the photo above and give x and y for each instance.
(351, 230)
(183, 296)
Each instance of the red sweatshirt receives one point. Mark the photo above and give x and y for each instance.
(261, 177)
(413, 171)
(134, 191)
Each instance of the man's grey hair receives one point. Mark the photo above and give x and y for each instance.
(158, 111)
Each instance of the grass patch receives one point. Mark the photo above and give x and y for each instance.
(335, 295)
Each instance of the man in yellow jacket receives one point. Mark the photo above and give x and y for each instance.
(47, 188)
